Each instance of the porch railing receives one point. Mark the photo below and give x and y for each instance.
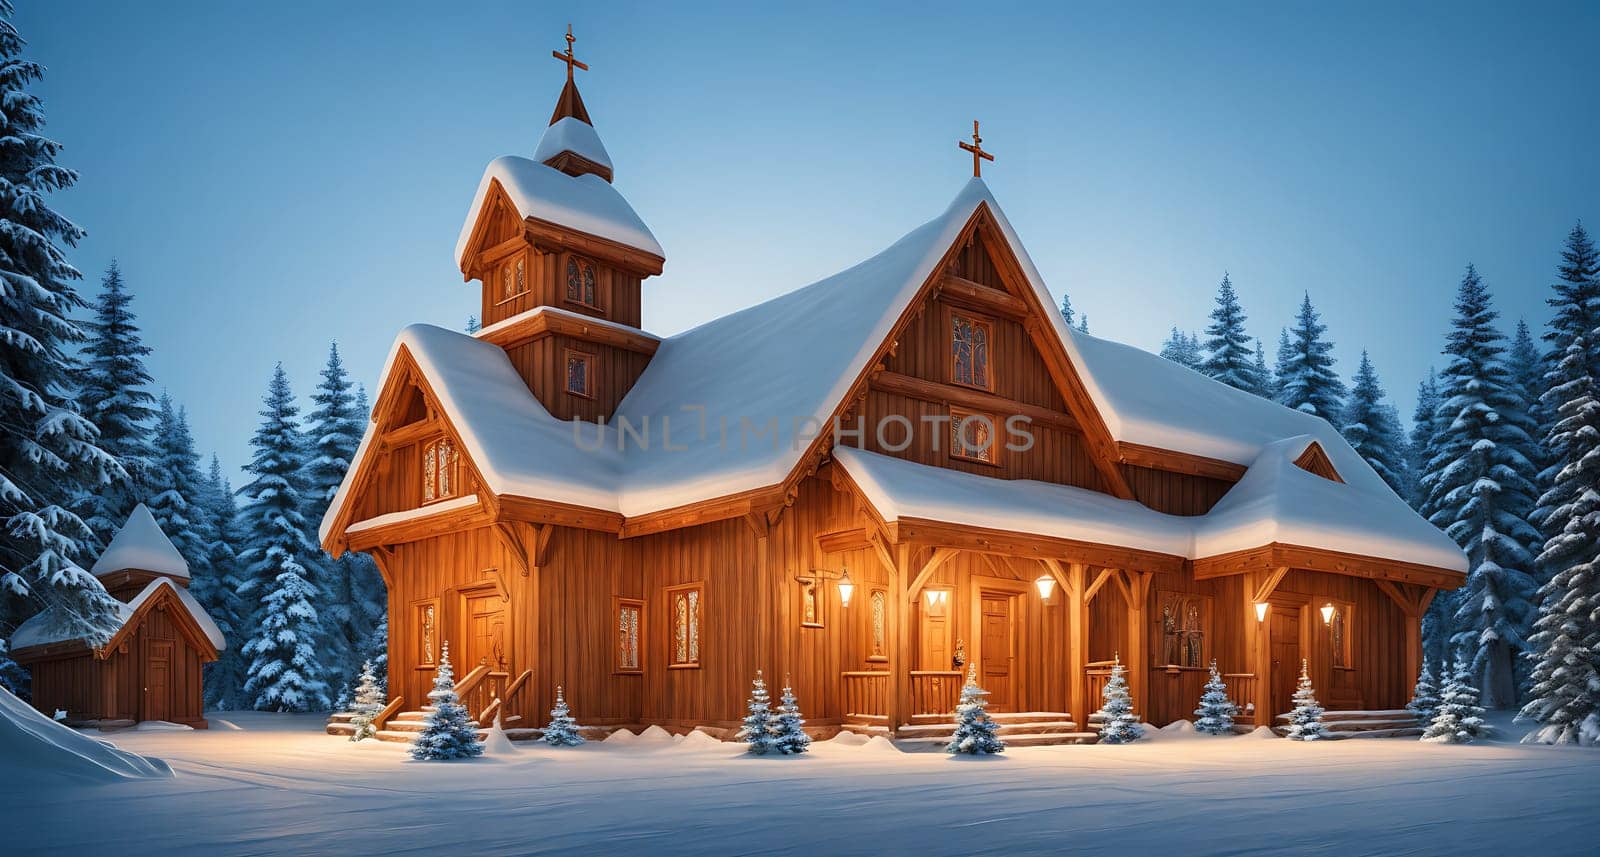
(479, 688)
(935, 691)
(1242, 690)
(1096, 675)
(866, 693)
(508, 694)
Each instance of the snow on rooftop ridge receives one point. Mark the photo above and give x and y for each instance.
(421, 512)
(585, 203)
(140, 544)
(528, 314)
(46, 627)
(571, 134)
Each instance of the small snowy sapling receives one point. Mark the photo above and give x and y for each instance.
(789, 734)
(369, 700)
(757, 732)
(1305, 722)
(563, 729)
(975, 730)
(449, 733)
(1459, 718)
(1216, 712)
(1424, 697)
(1118, 723)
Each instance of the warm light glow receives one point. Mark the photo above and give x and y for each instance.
(846, 588)
(935, 596)
(1046, 584)
(1261, 611)
(1327, 614)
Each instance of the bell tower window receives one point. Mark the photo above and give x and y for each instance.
(513, 280)
(581, 283)
(439, 480)
(580, 373)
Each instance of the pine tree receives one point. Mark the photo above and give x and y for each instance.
(1458, 718)
(1306, 380)
(112, 394)
(563, 730)
(1118, 723)
(1480, 491)
(1066, 309)
(1216, 712)
(1577, 298)
(1305, 722)
(286, 671)
(49, 453)
(176, 487)
(1265, 383)
(788, 730)
(1424, 697)
(448, 732)
(1083, 323)
(1227, 348)
(370, 699)
(1283, 363)
(1371, 426)
(473, 325)
(1182, 348)
(976, 733)
(1528, 367)
(216, 586)
(757, 730)
(1423, 430)
(1564, 689)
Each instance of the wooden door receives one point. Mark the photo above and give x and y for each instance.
(158, 681)
(487, 635)
(934, 632)
(997, 650)
(1285, 657)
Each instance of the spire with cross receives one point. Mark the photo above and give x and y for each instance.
(978, 154)
(571, 61)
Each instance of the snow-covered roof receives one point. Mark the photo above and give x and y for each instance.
(586, 203)
(141, 544)
(48, 627)
(571, 134)
(732, 404)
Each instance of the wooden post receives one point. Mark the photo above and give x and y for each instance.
(1258, 587)
(900, 633)
(1078, 643)
(1137, 592)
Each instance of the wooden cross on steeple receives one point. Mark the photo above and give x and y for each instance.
(978, 154)
(567, 57)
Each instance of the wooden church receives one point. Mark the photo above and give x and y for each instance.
(150, 668)
(862, 487)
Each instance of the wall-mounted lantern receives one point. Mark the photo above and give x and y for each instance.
(1261, 611)
(1046, 584)
(1327, 613)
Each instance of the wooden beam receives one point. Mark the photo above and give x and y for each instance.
(1268, 582)
(1136, 586)
(545, 321)
(544, 233)
(844, 541)
(940, 557)
(410, 433)
(880, 549)
(1100, 579)
(900, 636)
(978, 296)
(541, 545)
(534, 511)
(984, 540)
(721, 509)
(1078, 643)
(513, 542)
(1057, 573)
(966, 397)
(1140, 455)
(446, 521)
(1277, 555)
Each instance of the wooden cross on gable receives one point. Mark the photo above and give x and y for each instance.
(976, 148)
(567, 57)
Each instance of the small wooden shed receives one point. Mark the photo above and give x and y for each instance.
(150, 668)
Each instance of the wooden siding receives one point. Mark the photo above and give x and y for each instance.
(545, 277)
(542, 365)
(118, 687)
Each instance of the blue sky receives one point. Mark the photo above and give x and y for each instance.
(276, 176)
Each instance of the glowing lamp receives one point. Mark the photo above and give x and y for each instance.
(1327, 614)
(935, 596)
(846, 588)
(1261, 611)
(1046, 584)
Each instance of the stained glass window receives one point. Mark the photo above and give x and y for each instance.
(810, 616)
(972, 436)
(580, 367)
(880, 648)
(508, 283)
(438, 470)
(581, 282)
(426, 617)
(969, 351)
(629, 614)
(574, 281)
(685, 601)
(588, 285)
(1336, 628)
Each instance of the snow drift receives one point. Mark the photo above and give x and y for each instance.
(35, 748)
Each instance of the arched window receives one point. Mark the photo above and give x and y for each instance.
(438, 470)
(969, 350)
(581, 282)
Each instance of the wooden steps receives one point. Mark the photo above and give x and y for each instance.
(1017, 729)
(1388, 723)
(403, 727)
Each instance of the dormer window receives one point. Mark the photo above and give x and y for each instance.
(581, 282)
(969, 351)
(513, 280)
(439, 479)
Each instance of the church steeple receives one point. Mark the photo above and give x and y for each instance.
(570, 144)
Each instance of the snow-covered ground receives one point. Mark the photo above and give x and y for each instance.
(266, 784)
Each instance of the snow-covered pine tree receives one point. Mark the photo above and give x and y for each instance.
(112, 394)
(788, 730)
(1266, 384)
(1564, 689)
(176, 488)
(563, 729)
(1083, 322)
(1420, 442)
(1305, 721)
(1216, 712)
(1373, 428)
(1577, 298)
(346, 608)
(976, 733)
(1480, 489)
(216, 586)
(49, 453)
(757, 730)
(377, 647)
(12, 676)
(286, 671)
(370, 699)
(1066, 310)
(1282, 363)
(1118, 722)
(448, 732)
(1306, 380)
(1227, 346)
(1182, 348)
(473, 324)
(1424, 696)
(1459, 718)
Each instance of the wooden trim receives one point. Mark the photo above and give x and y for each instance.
(844, 541)
(535, 511)
(424, 527)
(409, 433)
(968, 397)
(565, 239)
(473, 257)
(574, 164)
(940, 557)
(1278, 555)
(1267, 585)
(962, 291)
(731, 506)
(1140, 455)
(1315, 460)
(538, 323)
(1101, 577)
(943, 534)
